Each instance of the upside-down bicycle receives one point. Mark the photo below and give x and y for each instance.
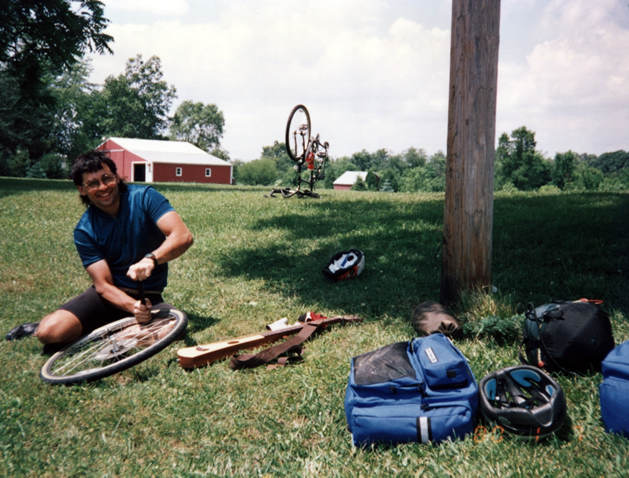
(309, 154)
(114, 347)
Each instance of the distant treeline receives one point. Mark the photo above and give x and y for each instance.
(518, 166)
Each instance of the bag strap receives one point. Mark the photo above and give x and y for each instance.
(291, 346)
(531, 315)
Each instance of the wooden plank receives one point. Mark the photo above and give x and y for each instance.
(201, 355)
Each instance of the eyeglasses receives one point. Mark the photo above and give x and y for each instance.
(106, 179)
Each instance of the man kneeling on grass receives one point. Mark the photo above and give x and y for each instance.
(127, 234)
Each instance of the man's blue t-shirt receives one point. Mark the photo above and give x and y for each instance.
(124, 239)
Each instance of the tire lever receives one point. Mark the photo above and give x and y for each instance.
(141, 292)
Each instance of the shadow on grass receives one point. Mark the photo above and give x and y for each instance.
(14, 186)
(11, 186)
(564, 246)
(195, 324)
(401, 243)
(208, 188)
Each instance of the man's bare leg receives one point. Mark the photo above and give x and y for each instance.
(60, 327)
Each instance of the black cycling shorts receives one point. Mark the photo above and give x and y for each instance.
(93, 311)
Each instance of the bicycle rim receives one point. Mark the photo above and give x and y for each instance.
(113, 348)
(298, 133)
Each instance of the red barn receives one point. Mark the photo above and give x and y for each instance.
(151, 160)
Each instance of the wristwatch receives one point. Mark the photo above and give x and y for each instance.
(150, 255)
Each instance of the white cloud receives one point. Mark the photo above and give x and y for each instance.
(375, 74)
(573, 87)
(153, 7)
(368, 84)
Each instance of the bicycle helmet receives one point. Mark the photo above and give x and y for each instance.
(345, 265)
(523, 400)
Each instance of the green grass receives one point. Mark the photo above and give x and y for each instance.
(258, 259)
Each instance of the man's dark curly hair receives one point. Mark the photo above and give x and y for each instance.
(91, 162)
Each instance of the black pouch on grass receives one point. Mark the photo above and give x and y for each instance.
(567, 336)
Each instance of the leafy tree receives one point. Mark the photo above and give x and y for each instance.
(362, 160)
(372, 181)
(389, 180)
(50, 33)
(366, 161)
(35, 171)
(502, 169)
(257, 172)
(611, 162)
(437, 164)
(414, 179)
(284, 166)
(415, 157)
(135, 104)
(586, 177)
(277, 152)
(380, 160)
(53, 166)
(16, 164)
(519, 163)
(395, 163)
(359, 185)
(386, 186)
(38, 41)
(615, 182)
(75, 113)
(10, 136)
(430, 177)
(563, 169)
(421, 178)
(220, 153)
(199, 124)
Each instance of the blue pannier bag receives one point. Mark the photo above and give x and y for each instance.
(614, 390)
(418, 391)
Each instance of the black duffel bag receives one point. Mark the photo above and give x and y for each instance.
(567, 336)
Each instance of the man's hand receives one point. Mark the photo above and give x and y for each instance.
(141, 270)
(142, 311)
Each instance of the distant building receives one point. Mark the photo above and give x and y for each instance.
(348, 179)
(151, 160)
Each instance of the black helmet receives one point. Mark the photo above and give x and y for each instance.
(523, 400)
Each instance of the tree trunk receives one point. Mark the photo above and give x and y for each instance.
(468, 214)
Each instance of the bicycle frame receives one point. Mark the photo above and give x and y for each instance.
(315, 159)
(309, 154)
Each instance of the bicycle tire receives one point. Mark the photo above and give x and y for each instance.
(107, 351)
(298, 120)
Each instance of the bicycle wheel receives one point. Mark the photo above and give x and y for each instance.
(298, 133)
(113, 348)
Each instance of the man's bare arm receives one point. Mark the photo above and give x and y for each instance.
(178, 240)
(103, 282)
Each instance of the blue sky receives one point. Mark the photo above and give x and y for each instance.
(374, 73)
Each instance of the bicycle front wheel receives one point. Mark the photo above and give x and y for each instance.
(298, 133)
(113, 347)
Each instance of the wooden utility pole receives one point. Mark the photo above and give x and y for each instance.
(468, 214)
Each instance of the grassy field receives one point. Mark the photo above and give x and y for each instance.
(258, 259)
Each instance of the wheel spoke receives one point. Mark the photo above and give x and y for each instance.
(96, 354)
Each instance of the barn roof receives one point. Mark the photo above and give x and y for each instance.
(350, 177)
(160, 151)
